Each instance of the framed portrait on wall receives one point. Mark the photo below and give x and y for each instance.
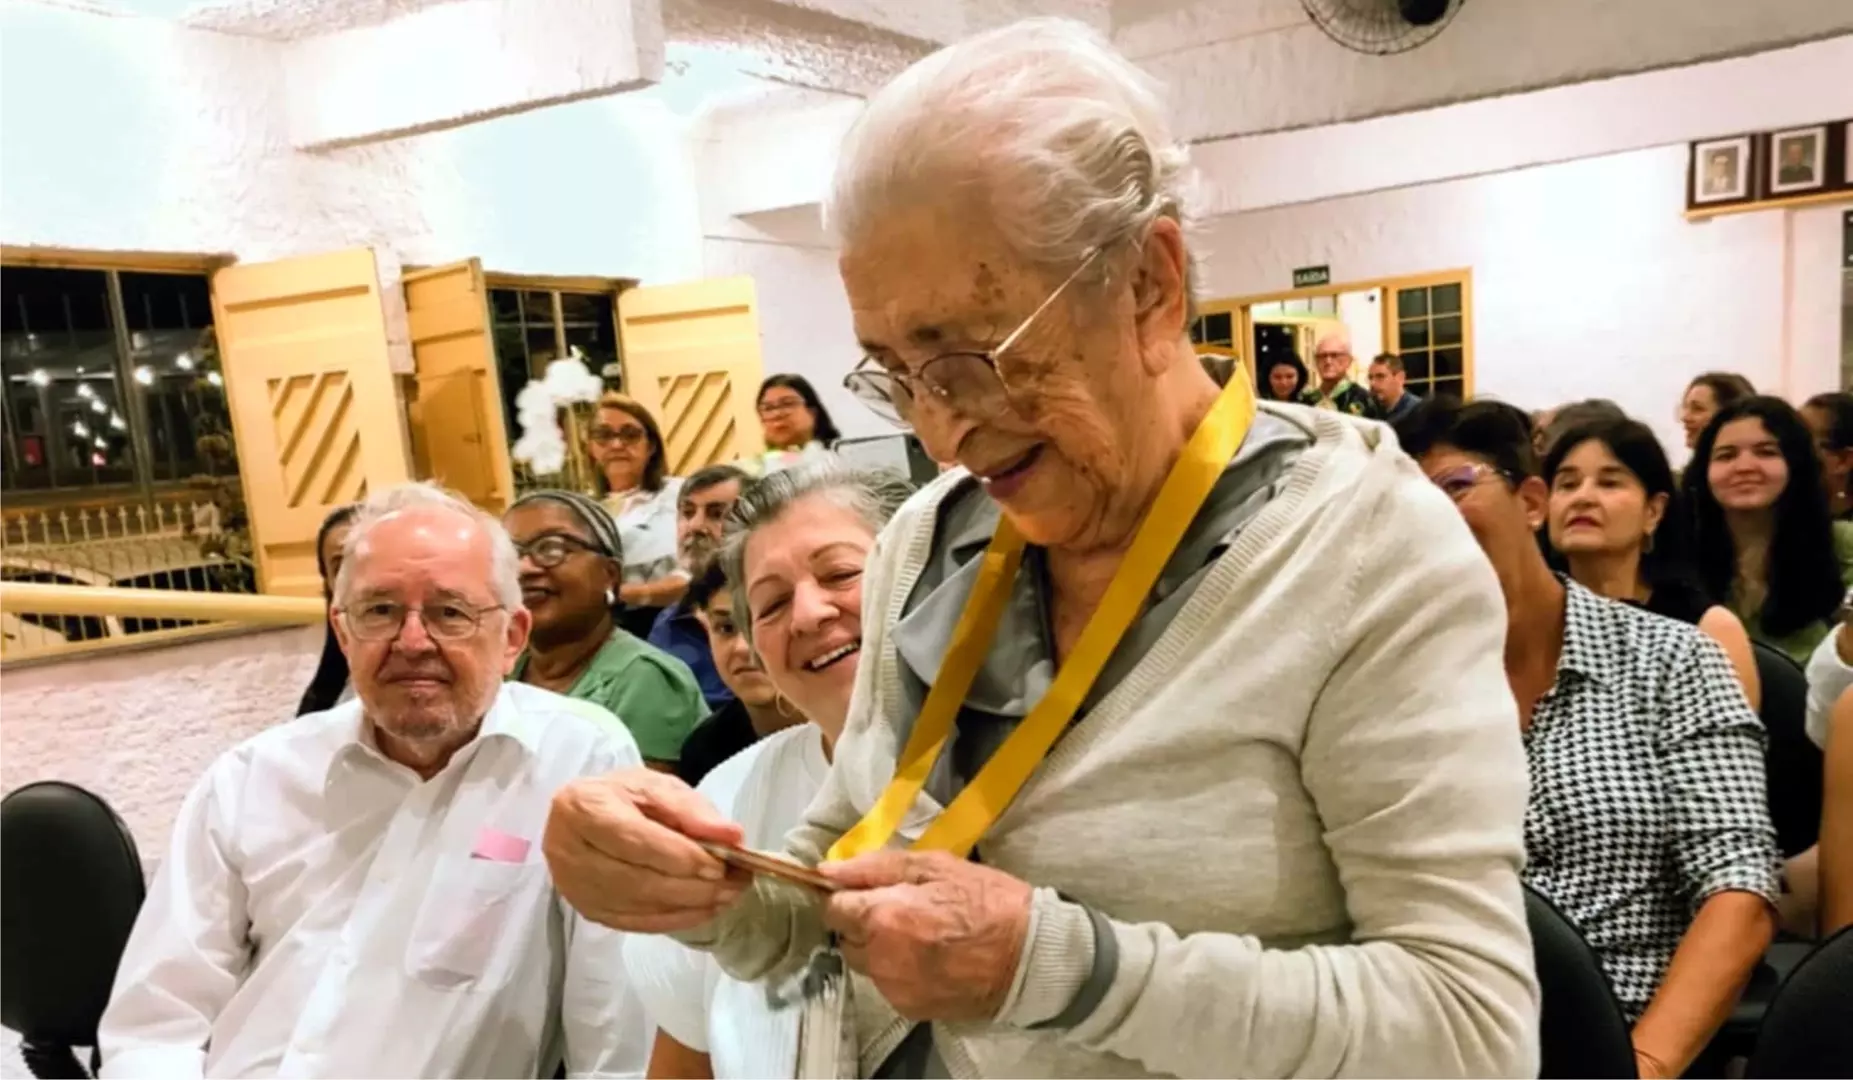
(1719, 171)
(1846, 154)
(1798, 160)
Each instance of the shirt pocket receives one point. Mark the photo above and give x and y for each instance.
(474, 922)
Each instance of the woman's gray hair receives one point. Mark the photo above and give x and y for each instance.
(504, 563)
(871, 494)
(1065, 140)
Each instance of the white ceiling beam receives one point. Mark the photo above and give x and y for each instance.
(447, 65)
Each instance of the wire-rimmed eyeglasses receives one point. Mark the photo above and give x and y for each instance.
(966, 381)
(444, 620)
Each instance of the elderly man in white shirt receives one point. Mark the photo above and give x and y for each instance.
(360, 892)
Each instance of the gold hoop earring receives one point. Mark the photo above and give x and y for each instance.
(784, 706)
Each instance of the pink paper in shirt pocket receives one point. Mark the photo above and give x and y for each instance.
(498, 846)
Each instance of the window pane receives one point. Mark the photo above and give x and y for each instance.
(1412, 335)
(1411, 303)
(511, 362)
(1445, 299)
(590, 327)
(537, 307)
(58, 362)
(1448, 330)
(1450, 388)
(1415, 365)
(1219, 328)
(1448, 363)
(504, 305)
(1196, 331)
(172, 353)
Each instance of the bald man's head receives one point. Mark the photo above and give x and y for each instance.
(1332, 357)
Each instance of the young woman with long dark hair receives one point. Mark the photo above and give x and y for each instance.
(1765, 545)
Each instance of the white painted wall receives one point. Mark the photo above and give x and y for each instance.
(140, 728)
(181, 143)
(1587, 278)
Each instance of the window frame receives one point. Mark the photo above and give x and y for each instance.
(113, 264)
(1241, 307)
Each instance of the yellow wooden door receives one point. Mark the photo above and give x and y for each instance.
(314, 408)
(458, 435)
(691, 356)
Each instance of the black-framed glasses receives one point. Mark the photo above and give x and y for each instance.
(780, 406)
(444, 620)
(1457, 483)
(629, 435)
(966, 381)
(553, 549)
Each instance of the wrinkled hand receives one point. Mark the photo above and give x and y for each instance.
(939, 936)
(622, 851)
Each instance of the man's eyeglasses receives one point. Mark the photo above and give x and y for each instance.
(1460, 481)
(446, 620)
(966, 381)
(629, 435)
(553, 549)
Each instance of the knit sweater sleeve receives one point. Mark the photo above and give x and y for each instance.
(1413, 758)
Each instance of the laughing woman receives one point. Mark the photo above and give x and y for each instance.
(1158, 761)
(571, 564)
(803, 536)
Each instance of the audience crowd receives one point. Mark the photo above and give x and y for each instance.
(1168, 732)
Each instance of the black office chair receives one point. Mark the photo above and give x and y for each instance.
(1793, 762)
(1582, 1030)
(70, 888)
(1808, 1029)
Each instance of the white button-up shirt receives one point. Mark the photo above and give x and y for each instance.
(324, 912)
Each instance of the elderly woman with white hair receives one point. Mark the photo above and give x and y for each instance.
(1181, 742)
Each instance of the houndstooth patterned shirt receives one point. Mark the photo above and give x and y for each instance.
(1647, 788)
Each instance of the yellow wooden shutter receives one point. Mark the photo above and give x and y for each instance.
(458, 433)
(313, 404)
(691, 356)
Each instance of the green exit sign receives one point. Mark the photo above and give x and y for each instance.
(1312, 275)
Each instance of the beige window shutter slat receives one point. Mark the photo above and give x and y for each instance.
(456, 417)
(307, 377)
(691, 356)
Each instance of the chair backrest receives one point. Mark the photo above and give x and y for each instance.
(1793, 761)
(1808, 1029)
(1582, 1030)
(70, 888)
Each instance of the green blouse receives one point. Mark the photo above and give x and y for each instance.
(654, 695)
(1801, 644)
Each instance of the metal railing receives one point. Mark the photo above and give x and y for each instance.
(119, 551)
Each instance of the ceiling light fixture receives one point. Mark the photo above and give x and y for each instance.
(144, 375)
(184, 361)
(213, 378)
(40, 377)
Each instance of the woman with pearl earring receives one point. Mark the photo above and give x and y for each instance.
(571, 567)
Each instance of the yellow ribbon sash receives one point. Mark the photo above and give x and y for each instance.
(959, 827)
